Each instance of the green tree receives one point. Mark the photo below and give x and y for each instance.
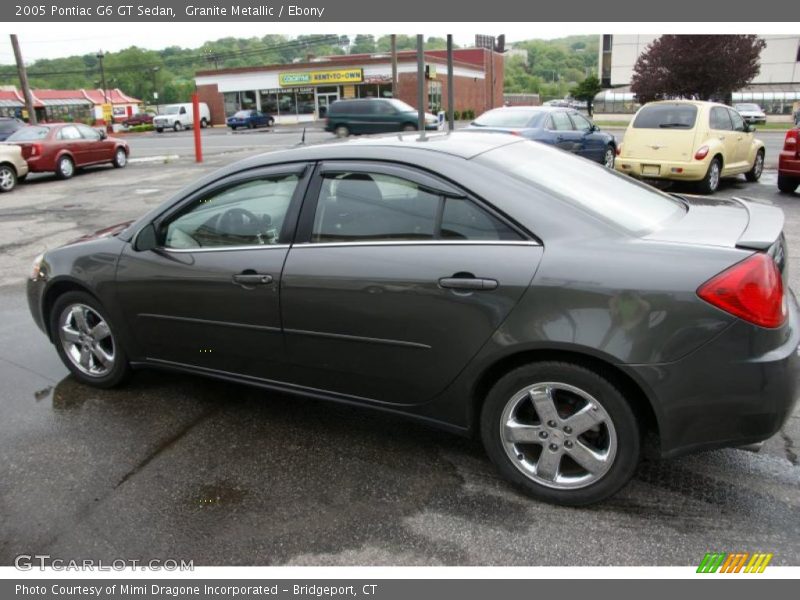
(586, 90)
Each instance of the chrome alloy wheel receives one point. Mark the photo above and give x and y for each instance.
(558, 435)
(608, 159)
(7, 178)
(66, 167)
(713, 176)
(87, 340)
(758, 167)
(121, 157)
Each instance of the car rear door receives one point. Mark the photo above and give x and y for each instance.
(208, 295)
(395, 281)
(721, 127)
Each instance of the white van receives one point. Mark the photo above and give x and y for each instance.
(178, 116)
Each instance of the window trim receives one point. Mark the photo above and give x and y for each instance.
(305, 225)
(290, 220)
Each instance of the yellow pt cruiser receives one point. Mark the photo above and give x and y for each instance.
(690, 140)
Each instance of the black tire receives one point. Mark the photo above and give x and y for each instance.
(177, 126)
(233, 127)
(754, 174)
(203, 123)
(788, 184)
(341, 131)
(710, 184)
(603, 392)
(8, 178)
(120, 158)
(409, 127)
(159, 130)
(65, 167)
(121, 368)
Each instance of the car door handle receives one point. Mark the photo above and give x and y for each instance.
(252, 279)
(467, 283)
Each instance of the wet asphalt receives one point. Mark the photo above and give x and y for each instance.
(182, 467)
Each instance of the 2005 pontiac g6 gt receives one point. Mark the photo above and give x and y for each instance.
(478, 282)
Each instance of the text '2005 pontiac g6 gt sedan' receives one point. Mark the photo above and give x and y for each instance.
(481, 283)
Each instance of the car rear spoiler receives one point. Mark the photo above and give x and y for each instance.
(764, 225)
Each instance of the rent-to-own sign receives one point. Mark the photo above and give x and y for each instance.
(295, 78)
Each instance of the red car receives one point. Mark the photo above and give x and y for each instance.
(63, 147)
(789, 162)
(142, 118)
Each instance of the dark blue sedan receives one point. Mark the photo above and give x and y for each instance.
(564, 128)
(250, 119)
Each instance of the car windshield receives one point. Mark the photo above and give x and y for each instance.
(242, 114)
(750, 107)
(172, 110)
(401, 106)
(666, 116)
(28, 134)
(505, 117)
(635, 207)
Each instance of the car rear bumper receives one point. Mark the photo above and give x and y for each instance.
(738, 389)
(788, 164)
(38, 164)
(654, 169)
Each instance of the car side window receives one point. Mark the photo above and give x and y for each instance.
(356, 207)
(88, 133)
(462, 219)
(384, 108)
(246, 214)
(183, 110)
(719, 119)
(738, 121)
(69, 133)
(581, 122)
(561, 121)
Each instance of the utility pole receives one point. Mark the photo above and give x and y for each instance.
(450, 91)
(393, 39)
(421, 86)
(23, 80)
(109, 125)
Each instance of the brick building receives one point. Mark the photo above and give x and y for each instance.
(301, 92)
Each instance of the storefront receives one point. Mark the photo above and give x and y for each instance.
(298, 93)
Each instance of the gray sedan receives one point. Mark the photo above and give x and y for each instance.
(481, 283)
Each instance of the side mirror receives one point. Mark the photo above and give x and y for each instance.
(146, 239)
(594, 128)
(103, 134)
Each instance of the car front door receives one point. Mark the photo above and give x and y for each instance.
(593, 143)
(563, 132)
(395, 281)
(97, 148)
(207, 295)
(71, 139)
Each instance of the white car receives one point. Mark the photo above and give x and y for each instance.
(751, 113)
(180, 116)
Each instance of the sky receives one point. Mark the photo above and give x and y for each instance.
(56, 40)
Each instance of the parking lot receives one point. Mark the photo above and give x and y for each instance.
(174, 466)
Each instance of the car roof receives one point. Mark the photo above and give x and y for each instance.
(698, 103)
(534, 109)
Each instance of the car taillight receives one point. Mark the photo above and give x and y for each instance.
(751, 290)
(619, 149)
(701, 153)
(36, 149)
(791, 142)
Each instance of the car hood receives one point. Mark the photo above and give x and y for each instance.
(101, 233)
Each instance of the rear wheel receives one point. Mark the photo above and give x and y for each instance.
(561, 432)
(86, 340)
(710, 183)
(65, 167)
(409, 127)
(120, 158)
(203, 123)
(8, 178)
(341, 131)
(788, 184)
(758, 167)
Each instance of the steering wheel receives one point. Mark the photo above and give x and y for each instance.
(239, 222)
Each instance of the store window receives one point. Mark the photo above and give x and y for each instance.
(269, 101)
(368, 90)
(434, 96)
(287, 104)
(305, 101)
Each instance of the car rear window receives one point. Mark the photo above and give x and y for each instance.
(28, 134)
(666, 116)
(242, 114)
(6, 126)
(618, 199)
(505, 117)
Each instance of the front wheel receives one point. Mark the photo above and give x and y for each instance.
(710, 183)
(758, 167)
(86, 340)
(561, 432)
(159, 129)
(788, 184)
(120, 158)
(609, 157)
(8, 178)
(65, 167)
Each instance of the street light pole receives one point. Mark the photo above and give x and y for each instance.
(155, 92)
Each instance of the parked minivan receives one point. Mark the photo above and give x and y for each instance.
(374, 115)
(179, 116)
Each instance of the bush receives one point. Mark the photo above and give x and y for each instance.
(456, 115)
(468, 115)
(140, 128)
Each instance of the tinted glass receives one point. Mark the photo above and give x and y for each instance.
(243, 114)
(401, 106)
(247, 214)
(505, 117)
(69, 133)
(719, 119)
(666, 116)
(581, 122)
(618, 199)
(561, 121)
(29, 134)
(738, 121)
(365, 207)
(465, 220)
(9, 125)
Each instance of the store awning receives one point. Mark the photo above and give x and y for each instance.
(65, 102)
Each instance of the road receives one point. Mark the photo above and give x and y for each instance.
(182, 467)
